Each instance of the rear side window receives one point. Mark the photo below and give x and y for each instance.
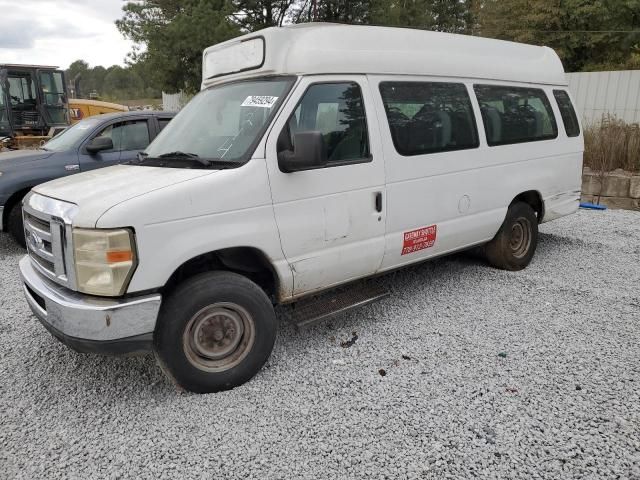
(515, 114)
(163, 122)
(114, 132)
(135, 135)
(429, 117)
(568, 113)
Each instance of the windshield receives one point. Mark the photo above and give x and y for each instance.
(222, 123)
(71, 136)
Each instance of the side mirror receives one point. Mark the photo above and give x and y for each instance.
(98, 144)
(309, 152)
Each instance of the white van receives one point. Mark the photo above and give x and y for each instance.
(314, 156)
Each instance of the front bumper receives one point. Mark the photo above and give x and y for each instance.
(91, 324)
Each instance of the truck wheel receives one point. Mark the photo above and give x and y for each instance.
(515, 243)
(215, 332)
(14, 224)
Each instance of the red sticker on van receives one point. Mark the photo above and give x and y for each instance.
(419, 239)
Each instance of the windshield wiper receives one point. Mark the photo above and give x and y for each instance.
(187, 156)
(179, 154)
(179, 157)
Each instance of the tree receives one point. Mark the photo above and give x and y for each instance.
(439, 15)
(122, 83)
(76, 74)
(170, 35)
(175, 32)
(342, 11)
(113, 83)
(587, 34)
(253, 15)
(95, 80)
(452, 17)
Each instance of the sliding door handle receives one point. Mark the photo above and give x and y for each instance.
(378, 202)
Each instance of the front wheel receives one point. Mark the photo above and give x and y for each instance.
(515, 243)
(215, 332)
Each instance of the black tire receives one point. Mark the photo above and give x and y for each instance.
(515, 243)
(14, 224)
(211, 313)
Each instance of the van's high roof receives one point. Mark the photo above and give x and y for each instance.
(324, 48)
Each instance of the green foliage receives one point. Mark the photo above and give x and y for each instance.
(171, 34)
(342, 11)
(175, 32)
(439, 15)
(253, 15)
(587, 34)
(113, 83)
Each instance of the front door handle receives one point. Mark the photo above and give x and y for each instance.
(378, 202)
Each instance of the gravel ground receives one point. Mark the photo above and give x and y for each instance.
(488, 374)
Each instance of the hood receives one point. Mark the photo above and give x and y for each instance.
(97, 191)
(15, 157)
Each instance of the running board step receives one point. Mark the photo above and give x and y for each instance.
(308, 312)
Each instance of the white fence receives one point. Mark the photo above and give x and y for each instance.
(600, 93)
(173, 102)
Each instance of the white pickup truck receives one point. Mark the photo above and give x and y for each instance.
(314, 156)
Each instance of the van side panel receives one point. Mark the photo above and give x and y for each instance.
(330, 229)
(465, 194)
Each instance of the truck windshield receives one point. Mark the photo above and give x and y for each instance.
(220, 124)
(71, 136)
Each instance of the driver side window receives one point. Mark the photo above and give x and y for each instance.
(336, 110)
(114, 132)
(132, 135)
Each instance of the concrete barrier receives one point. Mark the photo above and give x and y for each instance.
(634, 186)
(617, 189)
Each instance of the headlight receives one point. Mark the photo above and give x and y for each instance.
(104, 260)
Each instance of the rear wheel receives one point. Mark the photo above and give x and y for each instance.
(215, 332)
(515, 243)
(14, 224)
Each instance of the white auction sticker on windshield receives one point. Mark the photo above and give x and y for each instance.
(262, 101)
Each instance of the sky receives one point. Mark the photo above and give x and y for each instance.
(58, 32)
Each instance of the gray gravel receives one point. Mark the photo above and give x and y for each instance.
(488, 374)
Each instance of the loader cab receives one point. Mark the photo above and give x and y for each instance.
(33, 99)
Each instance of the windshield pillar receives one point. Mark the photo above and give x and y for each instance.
(5, 124)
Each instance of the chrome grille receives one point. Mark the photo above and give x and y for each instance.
(47, 227)
(38, 223)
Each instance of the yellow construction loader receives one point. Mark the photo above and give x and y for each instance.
(35, 105)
